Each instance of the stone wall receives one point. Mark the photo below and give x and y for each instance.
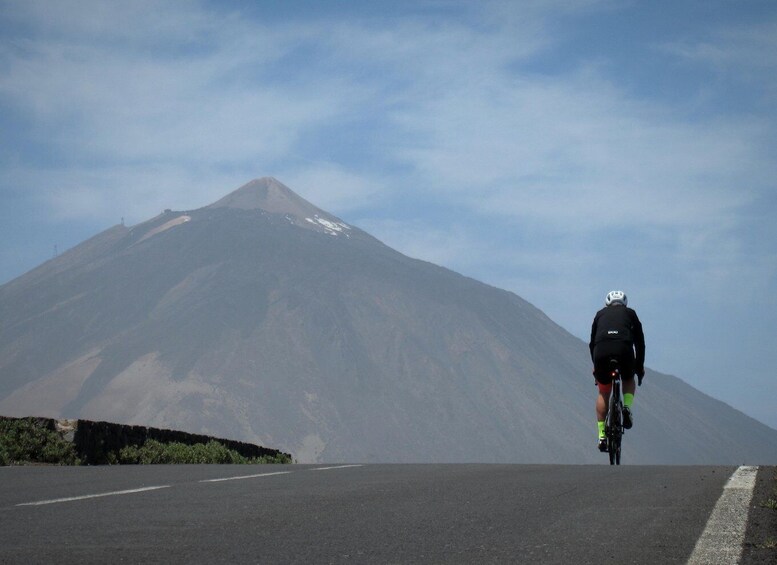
(96, 442)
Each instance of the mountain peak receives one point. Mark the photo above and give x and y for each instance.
(270, 195)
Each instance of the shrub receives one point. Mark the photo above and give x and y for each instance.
(153, 452)
(25, 441)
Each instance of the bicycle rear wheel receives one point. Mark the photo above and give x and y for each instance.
(614, 434)
(614, 448)
(615, 423)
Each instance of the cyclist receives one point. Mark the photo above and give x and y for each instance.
(616, 332)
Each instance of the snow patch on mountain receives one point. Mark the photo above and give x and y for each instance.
(332, 228)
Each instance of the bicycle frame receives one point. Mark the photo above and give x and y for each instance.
(614, 422)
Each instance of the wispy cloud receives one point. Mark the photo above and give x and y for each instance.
(193, 96)
(738, 48)
(155, 100)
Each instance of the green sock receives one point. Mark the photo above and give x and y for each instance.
(600, 425)
(628, 398)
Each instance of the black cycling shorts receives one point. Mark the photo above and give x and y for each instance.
(606, 350)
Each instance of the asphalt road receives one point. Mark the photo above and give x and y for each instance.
(359, 514)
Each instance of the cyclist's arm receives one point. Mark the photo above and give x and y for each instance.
(593, 338)
(639, 342)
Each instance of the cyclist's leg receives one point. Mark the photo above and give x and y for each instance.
(602, 356)
(602, 399)
(629, 387)
(604, 386)
(627, 363)
(602, 402)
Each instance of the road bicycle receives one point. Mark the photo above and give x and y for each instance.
(613, 424)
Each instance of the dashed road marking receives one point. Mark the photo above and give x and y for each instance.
(146, 489)
(240, 478)
(336, 467)
(88, 496)
(722, 538)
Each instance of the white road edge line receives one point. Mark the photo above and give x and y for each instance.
(244, 477)
(87, 496)
(336, 467)
(722, 539)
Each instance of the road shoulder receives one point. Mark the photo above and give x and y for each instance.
(760, 545)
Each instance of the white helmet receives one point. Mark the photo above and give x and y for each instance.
(616, 297)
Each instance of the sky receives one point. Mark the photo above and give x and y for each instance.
(557, 149)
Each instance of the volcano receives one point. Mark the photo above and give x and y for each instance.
(265, 319)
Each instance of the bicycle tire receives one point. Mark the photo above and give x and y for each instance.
(614, 429)
(614, 433)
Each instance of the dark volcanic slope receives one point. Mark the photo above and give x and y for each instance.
(265, 319)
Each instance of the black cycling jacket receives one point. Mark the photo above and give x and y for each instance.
(618, 323)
